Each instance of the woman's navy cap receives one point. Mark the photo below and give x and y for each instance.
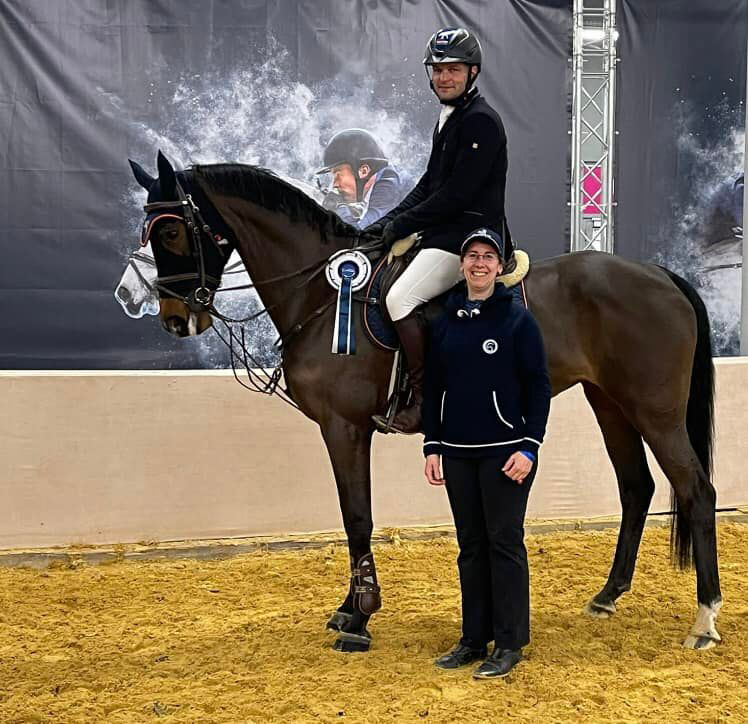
(486, 236)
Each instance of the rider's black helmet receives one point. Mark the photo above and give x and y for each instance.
(453, 45)
(353, 146)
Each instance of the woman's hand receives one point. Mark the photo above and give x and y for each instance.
(517, 467)
(433, 471)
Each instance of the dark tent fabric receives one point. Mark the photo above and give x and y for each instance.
(85, 84)
(681, 118)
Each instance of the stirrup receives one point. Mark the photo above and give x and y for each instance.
(384, 422)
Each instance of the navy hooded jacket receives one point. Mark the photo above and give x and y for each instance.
(486, 387)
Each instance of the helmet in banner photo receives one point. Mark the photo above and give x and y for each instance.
(359, 150)
(453, 45)
(354, 146)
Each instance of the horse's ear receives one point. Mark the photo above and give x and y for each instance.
(141, 176)
(167, 178)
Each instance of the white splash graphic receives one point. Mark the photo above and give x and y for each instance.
(703, 243)
(261, 116)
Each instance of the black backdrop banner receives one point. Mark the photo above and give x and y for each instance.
(681, 117)
(87, 84)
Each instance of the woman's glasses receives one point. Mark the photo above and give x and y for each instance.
(489, 257)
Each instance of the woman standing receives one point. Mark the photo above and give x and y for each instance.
(486, 403)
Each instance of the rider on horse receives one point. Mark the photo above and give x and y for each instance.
(463, 188)
(364, 184)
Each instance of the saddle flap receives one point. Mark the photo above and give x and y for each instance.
(392, 271)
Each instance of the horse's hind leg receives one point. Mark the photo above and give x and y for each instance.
(635, 486)
(349, 447)
(695, 525)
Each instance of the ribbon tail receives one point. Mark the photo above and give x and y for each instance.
(343, 336)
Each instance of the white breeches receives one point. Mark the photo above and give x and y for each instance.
(432, 272)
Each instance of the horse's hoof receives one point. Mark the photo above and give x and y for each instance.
(349, 643)
(600, 610)
(700, 643)
(338, 620)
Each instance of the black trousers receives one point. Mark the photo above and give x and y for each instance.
(489, 513)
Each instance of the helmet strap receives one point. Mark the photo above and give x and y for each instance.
(361, 181)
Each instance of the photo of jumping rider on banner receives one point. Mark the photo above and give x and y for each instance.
(463, 188)
(365, 186)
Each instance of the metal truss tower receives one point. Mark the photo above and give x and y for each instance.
(593, 125)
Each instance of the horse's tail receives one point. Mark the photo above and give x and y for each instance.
(699, 417)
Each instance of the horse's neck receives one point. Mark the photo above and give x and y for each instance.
(271, 246)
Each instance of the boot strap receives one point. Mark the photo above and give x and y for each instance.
(361, 586)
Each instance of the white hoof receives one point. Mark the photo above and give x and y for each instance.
(699, 643)
(599, 610)
(704, 634)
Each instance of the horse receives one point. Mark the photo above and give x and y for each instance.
(635, 336)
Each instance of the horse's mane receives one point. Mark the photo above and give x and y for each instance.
(272, 193)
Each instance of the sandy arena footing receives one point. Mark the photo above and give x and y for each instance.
(243, 639)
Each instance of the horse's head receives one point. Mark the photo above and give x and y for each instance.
(189, 256)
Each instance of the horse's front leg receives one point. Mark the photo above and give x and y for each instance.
(349, 447)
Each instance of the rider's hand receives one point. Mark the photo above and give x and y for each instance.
(374, 229)
(433, 470)
(389, 236)
(517, 467)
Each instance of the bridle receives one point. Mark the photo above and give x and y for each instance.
(139, 257)
(185, 210)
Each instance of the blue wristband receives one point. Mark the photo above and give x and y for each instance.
(528, 455)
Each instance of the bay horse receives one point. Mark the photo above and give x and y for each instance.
(636, 337)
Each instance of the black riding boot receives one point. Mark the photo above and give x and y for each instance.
(413, 341)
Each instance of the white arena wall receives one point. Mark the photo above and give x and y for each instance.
(107, 457)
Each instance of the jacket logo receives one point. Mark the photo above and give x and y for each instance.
(490, 346)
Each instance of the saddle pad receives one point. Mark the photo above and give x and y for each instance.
(379, 329)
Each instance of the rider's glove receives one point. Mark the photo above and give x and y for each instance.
(389, 235)
(374, 229)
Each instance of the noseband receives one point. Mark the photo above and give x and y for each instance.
(184, 209)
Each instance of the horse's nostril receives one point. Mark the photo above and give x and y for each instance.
(124, 294)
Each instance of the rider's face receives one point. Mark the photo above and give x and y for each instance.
(344, 181)
(450, 79)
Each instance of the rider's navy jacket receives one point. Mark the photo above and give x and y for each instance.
(464, 183)
(385, 193)
(486, 388)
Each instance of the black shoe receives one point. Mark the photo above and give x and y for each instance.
(498, 664)
(461, 656)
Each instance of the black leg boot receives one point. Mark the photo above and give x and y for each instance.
(413, 341)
